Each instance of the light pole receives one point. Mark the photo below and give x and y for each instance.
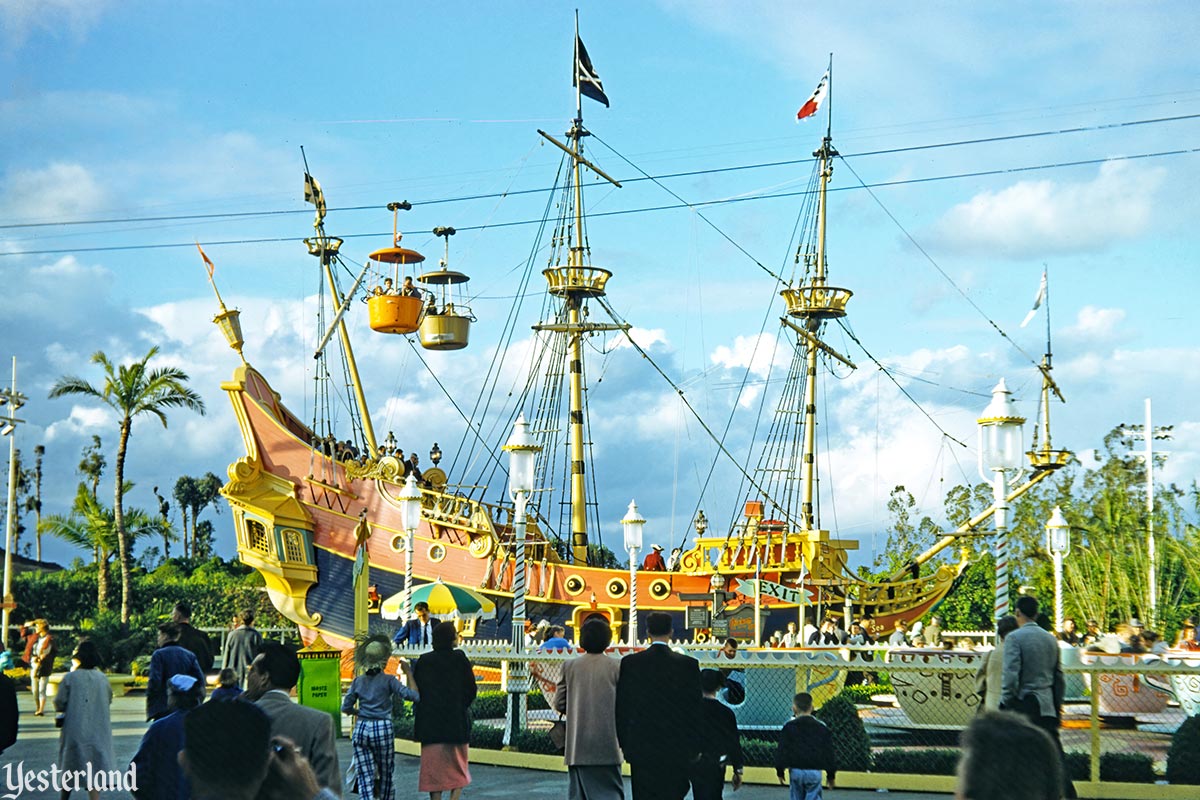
(1058, 542)
(1149, 433)
(522, 457)
(1001, 450)
(410, 519)
(633, 524)
(14, 400)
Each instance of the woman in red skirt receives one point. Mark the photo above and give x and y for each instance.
(446, 682)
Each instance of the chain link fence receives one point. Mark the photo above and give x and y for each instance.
(897, 712)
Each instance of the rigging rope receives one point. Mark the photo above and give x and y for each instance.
(892, 378)
(938, 267)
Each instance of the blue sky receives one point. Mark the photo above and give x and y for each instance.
(112, 111)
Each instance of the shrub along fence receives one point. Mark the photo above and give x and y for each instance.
(1126, 719)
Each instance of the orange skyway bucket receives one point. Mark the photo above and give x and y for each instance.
(394, 314)
(754, 508)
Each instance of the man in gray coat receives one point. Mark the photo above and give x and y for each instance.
(1032, 683)
(587, 694)
(273, 675)
(242, 646)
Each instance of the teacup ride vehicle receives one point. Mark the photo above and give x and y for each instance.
(935, 687)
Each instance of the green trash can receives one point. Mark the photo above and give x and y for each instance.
(321, 680)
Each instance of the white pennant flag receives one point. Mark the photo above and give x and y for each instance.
(1037, 301)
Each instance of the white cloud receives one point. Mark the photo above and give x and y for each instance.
(756, 353)
(60, 190)
(1094, 324)
(21, 17)
(82, 421)
(645, 337)
(1036, 218)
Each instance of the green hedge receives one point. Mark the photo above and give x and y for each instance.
(492, 704)
(1128, 767)
(851, 744)
(861, 694)
(1183, 761)
(929, 761)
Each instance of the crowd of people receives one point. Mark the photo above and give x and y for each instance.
(249, 738)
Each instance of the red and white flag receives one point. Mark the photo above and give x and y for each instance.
(814, 102)
(207, 262)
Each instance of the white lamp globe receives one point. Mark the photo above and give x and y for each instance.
(633, 524)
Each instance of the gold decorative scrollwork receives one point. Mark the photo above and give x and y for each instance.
(482, 546)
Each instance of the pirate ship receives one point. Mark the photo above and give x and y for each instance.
(315, 515)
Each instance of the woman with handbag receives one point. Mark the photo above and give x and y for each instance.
(42, 664)
(446, 682)
(82, 703)
(587, 694)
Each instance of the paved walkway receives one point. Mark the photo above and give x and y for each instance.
(37, 747)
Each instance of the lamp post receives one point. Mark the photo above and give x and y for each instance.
(1058, 542)
(1001, 451)
(522, 453)
(633, 524)
(410, 519)
(14, 400)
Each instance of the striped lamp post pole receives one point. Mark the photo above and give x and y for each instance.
(1001, 451)
(632, 526)
(410, 518)
(522, 452)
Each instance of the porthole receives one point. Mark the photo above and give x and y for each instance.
(659, 589)
(616, 588)
(436, 552)
(574, 585)
(397, 544)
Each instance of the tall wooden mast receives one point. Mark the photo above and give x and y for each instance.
(575, 282)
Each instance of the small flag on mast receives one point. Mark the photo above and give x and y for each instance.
(1037, 301)
(814, 102)
(207, 262)
(314, 195)
(585, 76)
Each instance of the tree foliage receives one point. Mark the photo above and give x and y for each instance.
(131, 390)
(1105, 576)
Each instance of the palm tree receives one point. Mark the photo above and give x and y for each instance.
(90, 525)
(131, 390)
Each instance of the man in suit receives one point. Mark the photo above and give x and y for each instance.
(169, 660)
(192, 639)
(418, 631)
(1032, 682)
(242, 646)
(273, 674)
(658, 714)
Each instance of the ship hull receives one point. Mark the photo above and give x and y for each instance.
(298, 511)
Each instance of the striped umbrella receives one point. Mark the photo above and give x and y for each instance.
(446, 601)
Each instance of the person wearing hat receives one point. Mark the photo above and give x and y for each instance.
(654, 560)
(1187, 636)
(157, 759)
(370, 699)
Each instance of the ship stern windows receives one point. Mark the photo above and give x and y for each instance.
(572, 281)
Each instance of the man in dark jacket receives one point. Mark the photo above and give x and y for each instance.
(8, 712)
(720, 744)
(805, 748)
(168, 660)
(242, 646)
(658, 714)
(192, 639)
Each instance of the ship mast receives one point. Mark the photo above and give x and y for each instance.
(575, 282)
(813, 303)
